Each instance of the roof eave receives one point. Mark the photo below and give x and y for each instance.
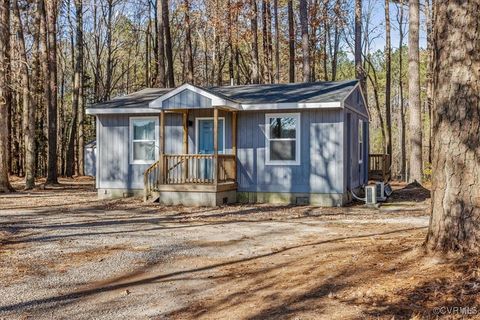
(291, 105)
(97, 111)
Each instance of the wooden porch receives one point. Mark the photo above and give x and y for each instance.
(196, 173)
(379, 167)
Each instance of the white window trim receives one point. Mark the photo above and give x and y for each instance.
(197, 120)
(298, 135)
(130, 140)
(360, 142)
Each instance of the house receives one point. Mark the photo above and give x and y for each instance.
(298, 143)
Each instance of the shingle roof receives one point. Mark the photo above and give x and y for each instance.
(313, 92)
(139, 99)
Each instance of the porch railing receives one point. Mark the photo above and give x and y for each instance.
(379, 166)
(189, 169)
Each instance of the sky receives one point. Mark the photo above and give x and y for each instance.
(378, 18)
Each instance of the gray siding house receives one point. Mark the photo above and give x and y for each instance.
(294, 143)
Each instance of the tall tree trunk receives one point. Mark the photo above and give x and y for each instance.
(81, 128)
(403, 126)
(231, 55)
(161, 80)
(415, 121)
(109, 35)
(291, 43)
(277, 41)
(336, 41)
(168, 43)
(147, 51)
(96, 81)
(430, 15)
(28, 105)
(358, 45)
(312, 38)
(254, 30)
(4, 88)
(77, 83)
(267, 41)
(454, 224)
(388, 84)
(190, 71)
(305, 43)
(51, 23)
(324, 35)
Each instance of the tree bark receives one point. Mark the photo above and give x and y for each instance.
(415, 121)
(28, 105)
(161, 81)
(388, 76)
(454, 224)
(305, 43)
(254, 30)
(291, 43)
(336, 41)
(277, 41)
(403, 126)
(358, 45)
(77, 84)
(430, 15)
(109, 34)
(168, 44)
(231, 55)
(52, 108)
(4, 88)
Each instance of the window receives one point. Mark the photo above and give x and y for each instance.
(283, 138)
(360, 141)
(143, 140)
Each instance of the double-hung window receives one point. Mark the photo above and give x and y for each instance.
(143, 140)
(282, 138)
(360, 141)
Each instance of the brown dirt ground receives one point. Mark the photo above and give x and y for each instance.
(372, 269)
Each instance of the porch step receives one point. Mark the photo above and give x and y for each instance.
(153, 197)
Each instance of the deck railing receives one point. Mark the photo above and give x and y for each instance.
(379, 166)
(189, 169)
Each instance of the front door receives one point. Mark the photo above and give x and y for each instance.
(205, 144)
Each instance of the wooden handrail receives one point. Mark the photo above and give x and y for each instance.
(379, 165)
(151, 178)
(188, 169)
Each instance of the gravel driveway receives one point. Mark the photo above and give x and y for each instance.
(66, 255)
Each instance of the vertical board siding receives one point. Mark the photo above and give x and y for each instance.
(321, 150)
(355, 101)
(173, 133)
(114, 168)
(187, 99)
(359, 171)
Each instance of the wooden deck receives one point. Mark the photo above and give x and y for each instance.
(379, 167)
(214, 173)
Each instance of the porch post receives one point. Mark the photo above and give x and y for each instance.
(234, 143)
(215, 145)
(185, 145)
(162, 146)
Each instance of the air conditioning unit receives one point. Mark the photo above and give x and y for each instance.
(371, 195)
(380, 191)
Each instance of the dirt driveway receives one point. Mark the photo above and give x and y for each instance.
(66, 255)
